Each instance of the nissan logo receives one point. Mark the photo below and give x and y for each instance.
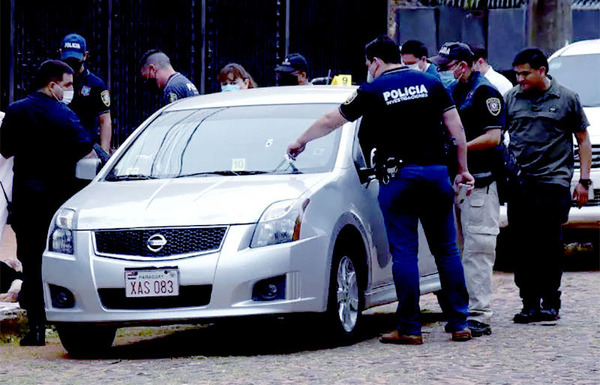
(156, 242)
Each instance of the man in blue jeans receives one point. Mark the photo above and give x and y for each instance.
(404, 109)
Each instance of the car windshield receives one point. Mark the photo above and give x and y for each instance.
(241, 140)
(581, 73)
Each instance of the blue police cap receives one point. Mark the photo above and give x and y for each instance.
(73, 46)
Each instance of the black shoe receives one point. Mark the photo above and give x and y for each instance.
(548, 314)
(479, 328)
(35, 337)
(527, 315)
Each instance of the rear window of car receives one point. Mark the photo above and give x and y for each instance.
(242, 140)
(581, 73)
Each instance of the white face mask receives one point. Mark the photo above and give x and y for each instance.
(370, 77)
(414, 66)
(67, 96)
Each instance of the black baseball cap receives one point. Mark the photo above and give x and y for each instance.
(453, 51)
(293, 62)
(72, 46)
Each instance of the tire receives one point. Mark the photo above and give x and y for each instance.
(86, 340)
(346, 296)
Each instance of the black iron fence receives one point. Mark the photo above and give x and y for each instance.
(200, 36)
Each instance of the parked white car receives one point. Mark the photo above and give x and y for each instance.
(200, 215)
(577, 66)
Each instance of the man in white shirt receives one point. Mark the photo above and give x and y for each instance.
(481, 64)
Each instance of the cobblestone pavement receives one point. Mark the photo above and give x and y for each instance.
(291, 352)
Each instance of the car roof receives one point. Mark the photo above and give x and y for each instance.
(266, 96)
(584, 47)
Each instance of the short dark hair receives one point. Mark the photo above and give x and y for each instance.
(156, 57)
(480, 53)
(532, 56)
(384, 48)
(414, 47)
(50, 71)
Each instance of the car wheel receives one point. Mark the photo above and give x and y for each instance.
(346, 299)
(86, 340)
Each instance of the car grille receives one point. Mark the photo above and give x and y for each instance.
(179, 241)
(198, 295)
(595, 156)
(591, 202)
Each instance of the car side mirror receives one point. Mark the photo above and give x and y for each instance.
(87, 168)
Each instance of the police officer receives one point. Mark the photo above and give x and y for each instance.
(481, 111)
(158, 74)
(41, 124)
(293, 71)
(414, 55)
(542, 118)
(406, 107)
(91, 101)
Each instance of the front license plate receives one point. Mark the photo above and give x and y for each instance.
(151, 282)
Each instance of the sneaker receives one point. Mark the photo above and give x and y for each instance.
(461, 335)
(527, 315)
(548, 314)
(479, 328)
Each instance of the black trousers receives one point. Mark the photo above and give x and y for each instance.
(536, 212)
(31, 221)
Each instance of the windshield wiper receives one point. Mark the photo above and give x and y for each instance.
(222, 172)
(290, 165)
(112, 177)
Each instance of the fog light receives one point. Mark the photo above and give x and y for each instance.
(269, 289)
(62, 298)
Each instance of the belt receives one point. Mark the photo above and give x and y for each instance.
(483, 179)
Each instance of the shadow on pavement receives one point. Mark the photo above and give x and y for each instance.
(249, 337)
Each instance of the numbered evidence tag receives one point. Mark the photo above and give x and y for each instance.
(238, 164)
(342, 80)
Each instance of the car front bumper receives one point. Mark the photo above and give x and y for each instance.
(229, 276)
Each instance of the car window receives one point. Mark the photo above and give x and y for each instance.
(238, 140)
(581, 73)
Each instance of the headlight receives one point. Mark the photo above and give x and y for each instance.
(280, 223)
(61, 237)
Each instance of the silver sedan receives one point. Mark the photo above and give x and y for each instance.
(201, 216)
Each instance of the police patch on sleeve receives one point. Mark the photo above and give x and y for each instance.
(105, 96)
(351, 98)
(172, 96)
(494, 106)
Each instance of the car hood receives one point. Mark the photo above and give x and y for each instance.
(184, 202)
(593, 115)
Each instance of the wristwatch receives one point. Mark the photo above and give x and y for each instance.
(585, 183)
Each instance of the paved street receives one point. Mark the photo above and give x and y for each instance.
(291, 352)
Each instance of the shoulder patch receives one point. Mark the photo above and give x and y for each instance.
(351, 98)
(105, 96)
(494, 106)
(172, 96)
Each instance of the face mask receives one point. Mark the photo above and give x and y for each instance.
(75, 64)
(287, 79)
(230, 87)
(370, 77)
(447, 78)
(67, 96)
(150, 85)
(414, 66)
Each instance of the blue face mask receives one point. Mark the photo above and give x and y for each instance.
(447, 78)
(230, 87)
